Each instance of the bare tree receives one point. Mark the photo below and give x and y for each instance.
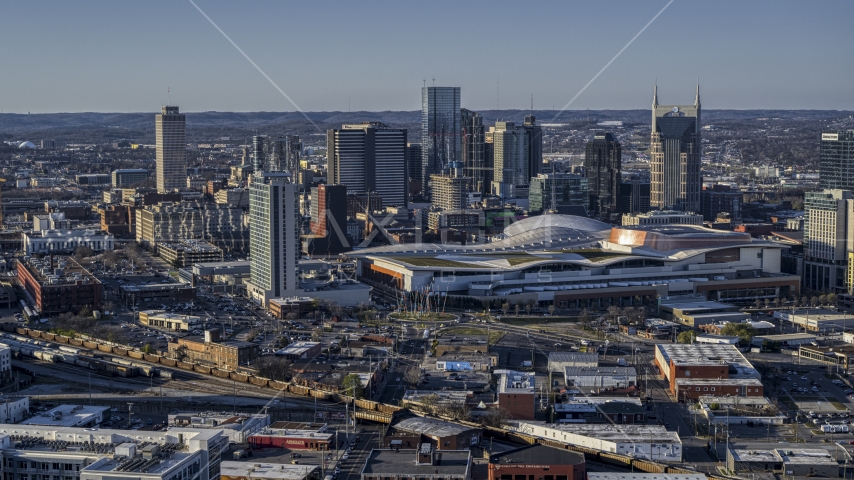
(585, 318)
(517, 307)
(505, 307)
(412, 375)
(497, 417)
(551, 309)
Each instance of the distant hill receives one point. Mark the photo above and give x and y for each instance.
(102, 127)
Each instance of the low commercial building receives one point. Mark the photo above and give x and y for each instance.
(537, 461)
(838, 357)
(71, 416)
(662, 217)
(128, 176)
(740, 460)
(644, 476)
(58, 285)
(228, 354)
(620, 410)
(14, 409)
(66, 241)
(695, 312)
(817, 320)
(786, 339)
(158, 293)
(517, 393)
(161, 319)
(267, 471)
(429, 464)
(238, 427)
(601, 377)
(717, 339)
(441, 434)
(704, 369)
(804, 462)
(558, 361)
(648, 442)
(466, 362)
(188, 252)
(298, 350)
(105, 454)
(281, 307)
(294, 436)
(436, 398)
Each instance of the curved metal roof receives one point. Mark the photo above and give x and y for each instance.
(571, 222)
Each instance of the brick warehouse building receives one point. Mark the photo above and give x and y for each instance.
(707, 369)
(517, 394)
(57, 285)
(537, 462)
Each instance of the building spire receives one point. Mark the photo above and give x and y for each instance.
(655, 94)
(697, 100)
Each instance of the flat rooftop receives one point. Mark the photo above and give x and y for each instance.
(644, 476)
(63, 271)
(747, 382)
(785, 337)
(297, 348)
(615, 433)
(278, 471)
(595, 371)
(806, 456)
(741, 401)
(745, 455)
(159, 467)
(67, 416)
(573, 357)
(430, 427)
(516, 382)
(391, 462)
(707, 354)
(538, 455)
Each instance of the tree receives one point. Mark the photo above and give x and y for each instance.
(429, 403)
(688, 336)
(777, 302)
(822, 299)
(274, 368)
(82, 252)
(832, 298)
(614, 312)
(505, 307)
(757, 303)
(528, 308)
(146, 348)
(352, 385)
(551, 309)
(316, 334)
(517, 307)
(744, 332)
(497, 417)
(814, 300)
(412, 375)
(585, 318)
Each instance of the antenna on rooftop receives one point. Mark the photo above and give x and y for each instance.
(434, 81)
(168, 101)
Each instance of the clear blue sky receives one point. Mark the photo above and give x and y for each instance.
(107, 55)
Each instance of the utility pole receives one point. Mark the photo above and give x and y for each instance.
(130, 413)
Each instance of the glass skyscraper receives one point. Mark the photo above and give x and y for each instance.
(675, 150)
(602, 165)
(836, 160)
(440, 129)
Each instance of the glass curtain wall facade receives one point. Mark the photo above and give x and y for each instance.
(440, 129)
(675, 149)
(836, 160)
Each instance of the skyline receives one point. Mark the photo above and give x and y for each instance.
(123, 57)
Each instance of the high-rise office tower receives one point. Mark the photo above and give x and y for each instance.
(828, 239)
(634, 197)
(271, 154)
(293, 150)
(451, 189)
(474, 151)
(170, 135)
(836, 160)
(413, 167)
(440, 129)
(369, 157)
(328, 219)
(534, 139)
(602, 164)
(563, 193)
(675, 150)
(273, 236)
(511, 158)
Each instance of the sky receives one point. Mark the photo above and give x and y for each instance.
(122, 56)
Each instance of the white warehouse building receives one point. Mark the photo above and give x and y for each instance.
(65, 241)
(648, 442)
(601, 377)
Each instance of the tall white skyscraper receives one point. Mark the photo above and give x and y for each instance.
(171, 137)
(273, 236)
(828, 240)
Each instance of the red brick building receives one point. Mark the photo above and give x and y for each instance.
(517, 394)
(707, 369)
(294, 436)
(59, 284)
(537, 462)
